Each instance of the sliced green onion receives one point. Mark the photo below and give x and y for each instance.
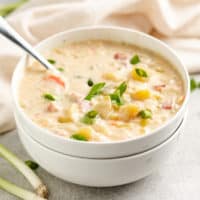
(77, 136)
(61, 69)
(141, 72)
(8, 8)
(89, 117)
(95, 90)
(121, 88)
(33, 165)
(49, 97)
(135, 59)
(51, 61)
(18, 191)
(29, 174)
(145, 114)
(116, 97)
(90, 82)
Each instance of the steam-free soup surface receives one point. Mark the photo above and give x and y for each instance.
(110, 91)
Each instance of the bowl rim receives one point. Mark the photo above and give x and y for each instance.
(100, 27)
(136, 155)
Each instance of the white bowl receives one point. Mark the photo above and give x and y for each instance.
(95, 149)
(100, 172)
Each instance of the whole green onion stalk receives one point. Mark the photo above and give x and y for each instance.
(28, 173)
(17, 191)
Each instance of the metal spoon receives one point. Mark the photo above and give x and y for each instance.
(12, 35)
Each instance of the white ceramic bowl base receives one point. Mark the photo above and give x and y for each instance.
(92, 149)
(100, 172)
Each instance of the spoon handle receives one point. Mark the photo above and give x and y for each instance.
(12, 35)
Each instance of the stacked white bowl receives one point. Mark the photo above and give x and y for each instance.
(93, 163)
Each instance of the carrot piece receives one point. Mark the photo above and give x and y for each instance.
(57, 79)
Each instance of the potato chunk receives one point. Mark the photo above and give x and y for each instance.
(144, 122)
(141, 94)
(65, 119)
(70, 114)
(86, 132)
(128, 112)
(110, 76)
(104, 106)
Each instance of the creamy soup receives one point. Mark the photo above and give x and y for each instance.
(112, 92)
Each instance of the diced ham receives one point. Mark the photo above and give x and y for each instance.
(159, 87)
(75, 97)
(120, 56)
(51, 107)
(167, 106)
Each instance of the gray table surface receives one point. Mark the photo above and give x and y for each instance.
(178, 179)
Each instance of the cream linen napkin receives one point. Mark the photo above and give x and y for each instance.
(177, 22)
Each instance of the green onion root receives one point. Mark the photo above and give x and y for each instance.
(28, 173)
(17, 191)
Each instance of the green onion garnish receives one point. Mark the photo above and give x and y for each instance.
(116, 97)
(49, 97)
(9, 8)
(51, 61)
(194, 84)
(121, 88)
(95, 90)
(90, 82)
(89, 117)
(135, 59)
(141, 72)
(61, 69)
(33, 165)
(77, 136)
(145, 114)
